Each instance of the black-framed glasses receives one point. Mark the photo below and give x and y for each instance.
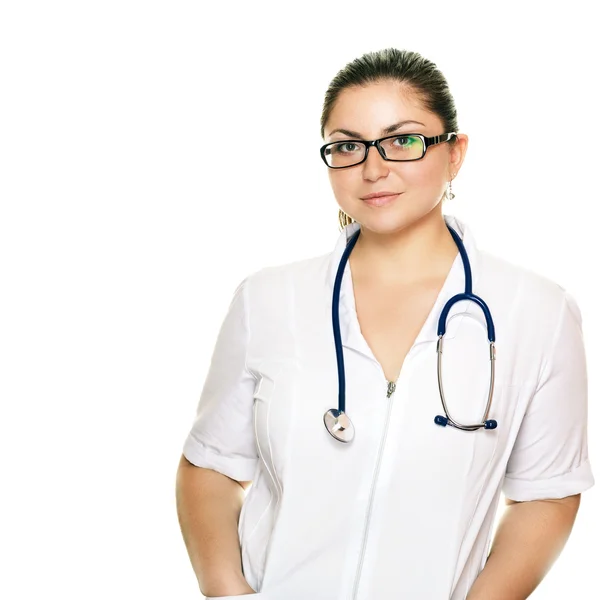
(397, 148)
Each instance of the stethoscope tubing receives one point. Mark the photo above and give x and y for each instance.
(335, 319)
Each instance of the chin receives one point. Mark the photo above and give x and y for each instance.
(381, 221)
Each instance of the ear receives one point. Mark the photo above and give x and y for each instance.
(458, 150)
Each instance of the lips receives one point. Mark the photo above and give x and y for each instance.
(379, 195)
(381, 200)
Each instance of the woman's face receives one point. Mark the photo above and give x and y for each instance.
(367, 111)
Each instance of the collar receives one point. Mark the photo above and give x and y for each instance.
(454, 284)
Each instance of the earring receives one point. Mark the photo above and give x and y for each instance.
(450, 195)
(343, 219)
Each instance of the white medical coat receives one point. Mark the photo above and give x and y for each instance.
(406, 510)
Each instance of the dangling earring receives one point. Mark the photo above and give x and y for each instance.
(343, 219)
(449, 194)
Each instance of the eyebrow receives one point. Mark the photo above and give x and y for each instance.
(384, 131)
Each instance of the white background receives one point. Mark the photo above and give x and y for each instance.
(125, 230)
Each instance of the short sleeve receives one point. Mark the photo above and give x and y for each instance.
(550, 457)
(222, 434)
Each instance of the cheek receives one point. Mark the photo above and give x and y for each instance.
(344, 184)
(424, 176)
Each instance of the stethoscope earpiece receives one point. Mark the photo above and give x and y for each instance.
(443, 421)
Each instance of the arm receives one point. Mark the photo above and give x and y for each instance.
(547, 470)
(529, 538)
(220, 458)
(208, 508)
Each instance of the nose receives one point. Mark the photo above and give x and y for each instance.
(375, 166)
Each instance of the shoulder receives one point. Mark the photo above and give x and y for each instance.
(281, 279)
(285, 296)
(533, 298)
(520, 279)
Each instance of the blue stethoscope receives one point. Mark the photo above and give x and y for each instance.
(336, 420)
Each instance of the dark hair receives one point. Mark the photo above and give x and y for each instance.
(417, 75)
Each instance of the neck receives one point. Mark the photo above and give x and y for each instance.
(424, 250)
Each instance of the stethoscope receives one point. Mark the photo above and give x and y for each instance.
(337, 421)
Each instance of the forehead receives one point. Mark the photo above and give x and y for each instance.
(368, 109)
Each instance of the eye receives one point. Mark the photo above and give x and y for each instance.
(345, 147)
(404, 141)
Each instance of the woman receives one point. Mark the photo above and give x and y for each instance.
(398, 501)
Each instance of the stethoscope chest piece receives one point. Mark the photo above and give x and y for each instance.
(339, 425)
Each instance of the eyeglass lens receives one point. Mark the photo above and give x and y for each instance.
(345, 154)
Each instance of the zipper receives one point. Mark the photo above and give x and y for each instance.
(391, 388)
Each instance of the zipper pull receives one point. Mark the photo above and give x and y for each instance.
(391, 388)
